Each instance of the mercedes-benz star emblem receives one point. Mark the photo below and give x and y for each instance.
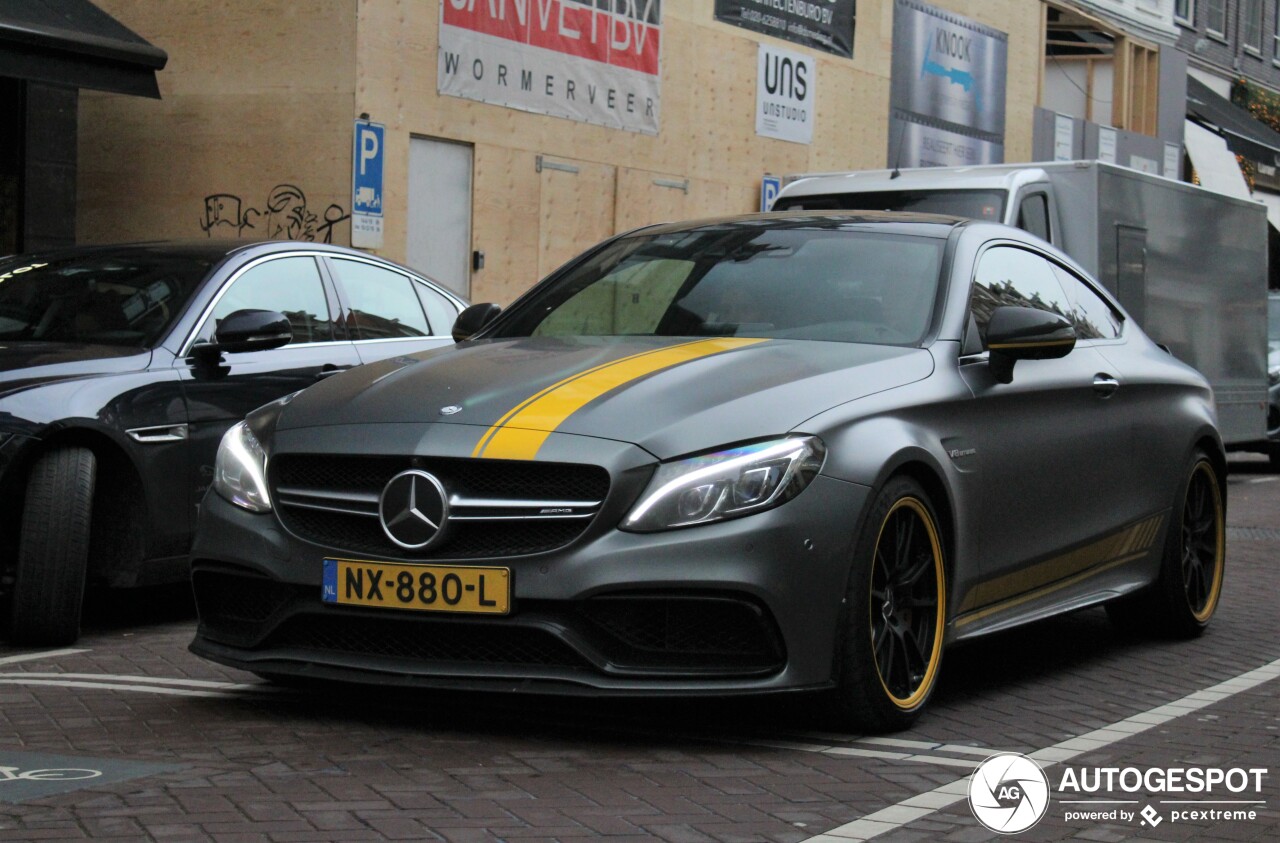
(413, 509)
(450, 410)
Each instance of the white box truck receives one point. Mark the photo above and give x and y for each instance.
(1189, 264)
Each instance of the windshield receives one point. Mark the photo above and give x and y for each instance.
(970, 204)
(841, 285)
(122, 299)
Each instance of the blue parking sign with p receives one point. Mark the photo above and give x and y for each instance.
(769, 187)
(366, 169)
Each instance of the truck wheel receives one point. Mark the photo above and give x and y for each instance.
(53, 549)
(895, 613)
(1181, 602)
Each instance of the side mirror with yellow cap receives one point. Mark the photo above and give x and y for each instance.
(1026, 333)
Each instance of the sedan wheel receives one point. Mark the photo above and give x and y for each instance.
(53, 549)
(1182, 601)
(896, 612)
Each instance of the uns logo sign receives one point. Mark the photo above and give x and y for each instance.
(784, 77)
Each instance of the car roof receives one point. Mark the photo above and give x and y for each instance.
(209, 249)
(928, 225)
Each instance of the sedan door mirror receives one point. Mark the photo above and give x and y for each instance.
(247, 330)
(1026, 333)
(472, 320)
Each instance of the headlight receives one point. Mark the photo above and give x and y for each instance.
(726, 484)
(240, 471)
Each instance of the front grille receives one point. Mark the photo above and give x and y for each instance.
(499, 507)
(428, 641)
(689, 631)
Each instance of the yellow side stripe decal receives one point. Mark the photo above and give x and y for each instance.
(520, 433)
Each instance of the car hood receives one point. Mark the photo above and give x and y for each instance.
(667, 395)
(24, 364)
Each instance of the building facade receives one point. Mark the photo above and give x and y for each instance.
(498, 167)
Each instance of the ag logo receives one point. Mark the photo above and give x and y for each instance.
(1009, 793)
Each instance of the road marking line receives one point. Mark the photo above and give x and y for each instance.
(146, 680)
(108, 686)
(39, 654)
(895, 817)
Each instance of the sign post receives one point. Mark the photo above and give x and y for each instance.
(769, 188)
(366, 184)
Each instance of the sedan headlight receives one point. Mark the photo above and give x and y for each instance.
(726, 484)
(240, 471)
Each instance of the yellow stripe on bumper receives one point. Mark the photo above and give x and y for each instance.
(520, 433)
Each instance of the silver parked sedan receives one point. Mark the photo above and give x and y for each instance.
(748, 455)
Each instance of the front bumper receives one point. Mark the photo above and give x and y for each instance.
(745, 606)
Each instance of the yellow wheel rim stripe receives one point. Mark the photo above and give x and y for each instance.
(1220, 544)
(935, 655)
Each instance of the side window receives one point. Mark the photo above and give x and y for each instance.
(1033, 215)
(1008, 276)
(441, 313)
(291, 286)
(382, 303)
(1093, 317)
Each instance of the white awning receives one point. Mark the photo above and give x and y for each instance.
(1272, 201)
(1215, 164)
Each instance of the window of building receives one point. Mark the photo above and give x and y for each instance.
(1275, 52)
(1215, 17)
(1251, 25)
(1184, 11)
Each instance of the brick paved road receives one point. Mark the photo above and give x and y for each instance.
(191, 751)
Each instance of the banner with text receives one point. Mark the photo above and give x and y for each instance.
(947, 88)
(594, 61)
(820, 24)
(786, 91)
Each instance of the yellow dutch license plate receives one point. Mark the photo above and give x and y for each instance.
(426, 588)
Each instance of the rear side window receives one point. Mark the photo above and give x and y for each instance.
(1093, 317)
(1010, 277)
(381, 303)
(441, 313)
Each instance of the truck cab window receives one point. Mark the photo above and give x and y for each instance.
(1033, 215)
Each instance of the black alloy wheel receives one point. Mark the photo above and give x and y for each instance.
(904, 600)
(1202, 542)
(1183, 599)
(890, 644)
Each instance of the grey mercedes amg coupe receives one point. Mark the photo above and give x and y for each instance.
(747, 455)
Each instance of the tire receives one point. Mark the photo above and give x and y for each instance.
(1181, 602)
(53, 549)
(891, 638)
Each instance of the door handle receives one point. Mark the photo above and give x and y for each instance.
(1105, 385)
(329, 370)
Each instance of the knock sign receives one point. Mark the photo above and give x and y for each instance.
(366, 185)
(786, 84)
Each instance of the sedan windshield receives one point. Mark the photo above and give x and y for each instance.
(122, 299)
(842, 285)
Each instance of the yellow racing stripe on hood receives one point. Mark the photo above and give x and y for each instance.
(520, 433)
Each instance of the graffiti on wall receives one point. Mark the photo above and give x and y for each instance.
(285, 216)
